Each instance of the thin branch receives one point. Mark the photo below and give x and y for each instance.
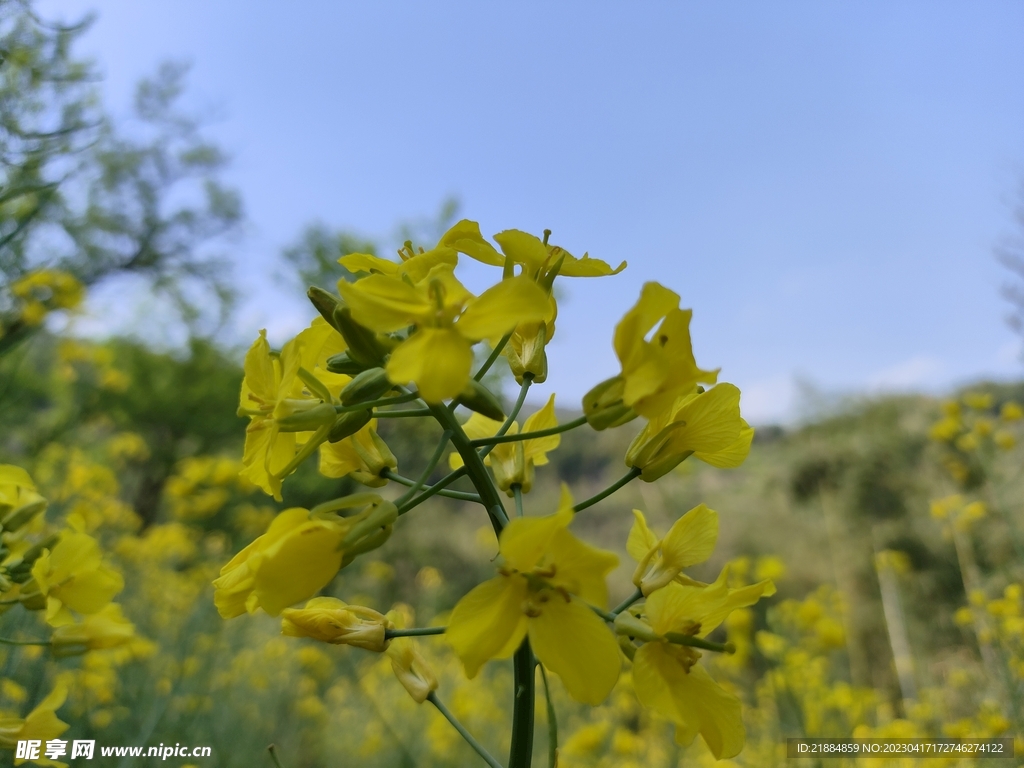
(481, 441)
(633, 472)
(478, 748)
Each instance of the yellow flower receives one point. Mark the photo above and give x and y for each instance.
(1011, 411)
(706, 425)
(666, 676)
(105, 629)
(656, 372)
(535, 256)
(438, 354)
(945, 430)
(74, 576)
(415, 265)
(1004, 439)
(271, 390)
(297, 556)
(689, 541)
(978, 401)
(330, 620)
(411, 669)
(41, 723)
(548, 578)
(363, 455)
(513, 463)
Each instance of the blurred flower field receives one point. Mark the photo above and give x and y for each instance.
(843, 649)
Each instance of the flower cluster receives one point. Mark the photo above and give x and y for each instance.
(402, 333)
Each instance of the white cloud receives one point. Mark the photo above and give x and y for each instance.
(918, 372)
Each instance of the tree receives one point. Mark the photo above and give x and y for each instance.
(84, 196)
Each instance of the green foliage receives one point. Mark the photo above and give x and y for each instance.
(94, 199)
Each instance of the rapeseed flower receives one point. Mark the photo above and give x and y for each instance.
(689, 541)
(513, 463)
(542, 592)
(41, 724)
(106, 629)
(74, 576)
(289, 563)
(330, 620)
(666, 675)
(364, 456)
(447, 319)
(706, 425)
(534, 255)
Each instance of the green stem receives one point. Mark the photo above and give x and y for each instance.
(521, 751)
(408, 397)
(272, 749)
(8, 641)
(409, 482)
(431, 466)
(517, 492)
(633, 472)
(402, 413)
(436, 488)
(478, 748)
(481, 441)
(492, 357)
(552, 722)
(607, 616)
(527, 381)
(473, 464)
(307, 450)
(627, 602)
(696, 642)
(415, 632)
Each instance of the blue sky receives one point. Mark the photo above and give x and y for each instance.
(823, 183)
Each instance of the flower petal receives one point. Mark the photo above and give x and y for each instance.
(384, 304)
(641, 538)
(733, 454)
(437, 359)
(580, 568)
(487, 621)
(692, 700)
(574, 643)
(523, 248)
(465, 238)
(298, 565)
(586, 266)
(537, 448)
(691, 539)
(503, 306)
(526, 539)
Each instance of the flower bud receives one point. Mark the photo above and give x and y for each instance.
(369, 385)
(325, 303)
(330, 620)
(348, 424)
(308, 419)
(628, 625)
(526, 352)
(343, 363)
(364, 347)
(376, 456)
(603, 405)
(479, 398)
(380, 514)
